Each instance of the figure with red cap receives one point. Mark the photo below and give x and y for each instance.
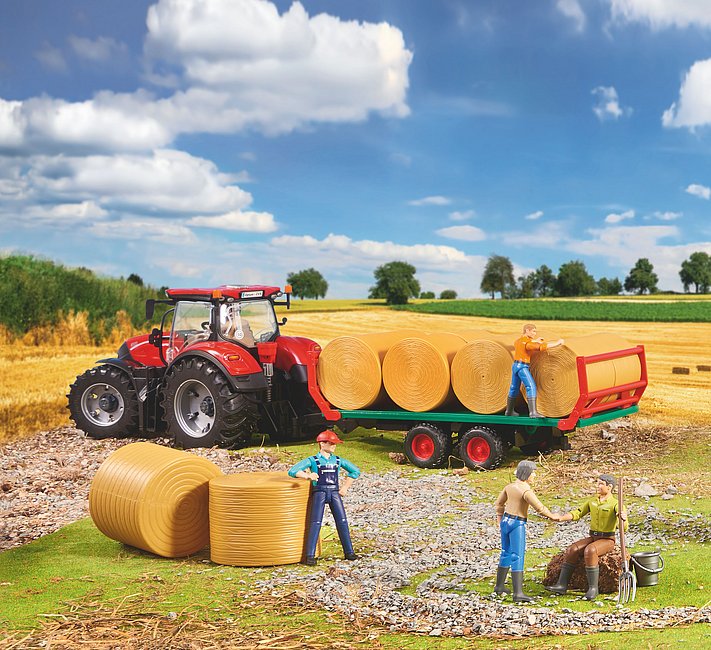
(322, 470)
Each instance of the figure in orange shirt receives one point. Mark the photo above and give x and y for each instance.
(521, 371)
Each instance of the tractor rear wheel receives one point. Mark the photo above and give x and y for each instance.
(427, 446)
(481, 448)
(202, 409)
(103, 403)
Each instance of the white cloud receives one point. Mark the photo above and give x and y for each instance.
(145, 229)
(659, 14)
(666, 216)
(701, 191)
(693, 108)
(68, 213)
(550, 235)
(463, 215)
(571, 9)
(463, 233)
(99, 50)
(430, 200)
(238, 221)
(614, 217)
(608, 104)
(533, 216)
(51, 57)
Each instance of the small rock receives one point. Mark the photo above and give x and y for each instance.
(645, 490)
(398, 458)
(461, 471)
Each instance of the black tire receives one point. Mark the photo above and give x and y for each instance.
(540, 442)
(427, 446)
(104, 404)
(481, 448)
(202, 410)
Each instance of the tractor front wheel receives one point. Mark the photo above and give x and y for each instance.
(427, 446)
(481, 448)
(103, 403)
(202, 409)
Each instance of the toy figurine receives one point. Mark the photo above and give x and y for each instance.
(603, 509)
(521, 371)
(322, 469)
(512, 513)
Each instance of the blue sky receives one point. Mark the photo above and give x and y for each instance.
(200, 142)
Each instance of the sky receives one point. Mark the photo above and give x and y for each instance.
(207, 142)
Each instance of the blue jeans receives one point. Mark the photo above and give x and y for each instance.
(513, 543)
(521, 374)
(320, 496)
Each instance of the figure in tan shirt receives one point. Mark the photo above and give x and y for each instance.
(512, 514)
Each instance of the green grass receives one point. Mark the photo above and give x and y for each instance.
(561, 309)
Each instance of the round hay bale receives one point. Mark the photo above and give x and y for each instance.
(481, 371)
(258, 518)
(349, 368)
(556, 375)
(416, 371)
(154, 498)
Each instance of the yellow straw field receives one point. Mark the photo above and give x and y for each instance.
(35, 379)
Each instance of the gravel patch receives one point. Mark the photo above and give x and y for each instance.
(431, 530)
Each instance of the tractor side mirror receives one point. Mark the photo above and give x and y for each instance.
(283, 321)
(155, 337)
(150, 308)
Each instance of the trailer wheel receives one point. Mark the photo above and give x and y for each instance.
(202, 410)
(540, 442)
(427, 446)
(481, 448)
(103, 403)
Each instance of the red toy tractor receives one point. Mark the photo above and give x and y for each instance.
(215, 372)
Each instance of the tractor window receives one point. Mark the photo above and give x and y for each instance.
(248, 323)
(191, 323)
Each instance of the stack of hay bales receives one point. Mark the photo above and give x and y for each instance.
(422, 372)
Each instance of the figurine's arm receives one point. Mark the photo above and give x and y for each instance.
(345, 485)
(353, 472)
(303, 469)
(532, 500)
(500, 504)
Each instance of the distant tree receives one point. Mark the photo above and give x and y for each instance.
(448, 294)
(162, 290)
(395, 281)
(544, 283)
(574, 280)
(525, 287)
(135, 279)
(697, 271)
(427, 295)
(642, 277)
(607, 287)
(308, 283)
(498, 276)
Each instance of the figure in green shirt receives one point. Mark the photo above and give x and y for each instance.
(603, 512)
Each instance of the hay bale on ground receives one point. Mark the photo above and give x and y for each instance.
(609, 573)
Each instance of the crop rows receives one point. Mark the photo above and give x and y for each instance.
(687, 311)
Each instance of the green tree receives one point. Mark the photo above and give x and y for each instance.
(526, 287)
(395, 281)
(607, 287)
(544, 281)
(574, 280)
(642, 277)
(498, 276)
(308, 283)
(135, 279)
(448, 294)
(427, 295)
(697, 271)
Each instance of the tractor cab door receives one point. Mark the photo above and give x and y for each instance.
(192, 322)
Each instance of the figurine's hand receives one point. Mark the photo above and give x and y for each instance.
(313, 476)
(342, 491)
(555, 517)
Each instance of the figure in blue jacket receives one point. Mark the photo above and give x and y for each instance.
(322, 469)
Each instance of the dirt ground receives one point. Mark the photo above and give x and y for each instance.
(670, 398)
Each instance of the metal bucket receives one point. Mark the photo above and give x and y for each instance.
(647, 567)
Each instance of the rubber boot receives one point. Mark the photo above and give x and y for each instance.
(310, 561)
(518, 595)
(510, 401)
(561, 587)
(500, 587)
(532, 412)
(351, 556)
(593, 573)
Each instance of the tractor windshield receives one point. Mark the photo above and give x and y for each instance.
(191, 323)
(248, 322)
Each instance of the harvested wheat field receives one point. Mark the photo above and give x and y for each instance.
(670, 398)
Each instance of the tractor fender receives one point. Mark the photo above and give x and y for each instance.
(121, 365)
(293, 355)
(241, 369)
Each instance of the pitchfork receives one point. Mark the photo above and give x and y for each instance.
(628, 582)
